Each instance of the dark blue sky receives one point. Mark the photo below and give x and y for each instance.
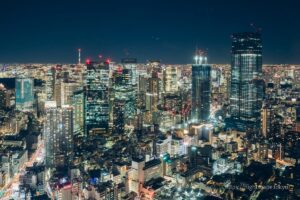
(51, 31)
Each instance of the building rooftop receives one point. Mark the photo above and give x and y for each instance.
(152, 163)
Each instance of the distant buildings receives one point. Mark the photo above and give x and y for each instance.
(246, 91)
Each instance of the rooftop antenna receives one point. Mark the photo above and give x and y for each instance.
(257, 29)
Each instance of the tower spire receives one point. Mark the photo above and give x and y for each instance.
(200, 57)
(79, 56)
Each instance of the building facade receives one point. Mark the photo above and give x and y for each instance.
(96, 98)
(246, 91)
(24, 94)
(201, 92)
(58, 134)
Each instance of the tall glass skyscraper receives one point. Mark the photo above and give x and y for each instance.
(24, 94)
(246, 91)
(124, 91)
(96, 100)
(201, 91)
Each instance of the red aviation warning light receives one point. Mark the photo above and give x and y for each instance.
(88, 61)
(107, 60)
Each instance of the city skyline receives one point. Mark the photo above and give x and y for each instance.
(51, 32)
(126, 100)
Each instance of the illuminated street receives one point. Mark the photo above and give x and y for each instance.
(12, 188)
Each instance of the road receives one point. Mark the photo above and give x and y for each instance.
(13, 185)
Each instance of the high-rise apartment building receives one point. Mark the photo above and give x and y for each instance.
(58, 134)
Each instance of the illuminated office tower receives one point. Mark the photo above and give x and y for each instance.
(170, 79)
(50, 83)
(124, 92)
(24, 94)
(130, 65)
(201, 88)
(67, 124)
(267, 118)
(143, 83)
(68, 89)
(96, 100)
(118, 117)
(143, 86)
(58, 134)
(78, 105)
(59, 92)
(246, 90)
(152, 96)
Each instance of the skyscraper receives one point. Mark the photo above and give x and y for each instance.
(24, 94)
(130, 65)
(58, 134)
(124, 91)
(59, 92)
(246, 91)
(170, 79)
(50, 83)
(201, 89)
(78, 105)
(152, 96)
(267, 119)
(96, 96)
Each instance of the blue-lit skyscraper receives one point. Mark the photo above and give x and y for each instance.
(201, 89)
(24, 94)
(246, 91)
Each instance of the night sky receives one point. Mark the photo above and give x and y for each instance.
(170, 30)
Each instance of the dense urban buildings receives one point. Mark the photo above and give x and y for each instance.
(127, 130)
